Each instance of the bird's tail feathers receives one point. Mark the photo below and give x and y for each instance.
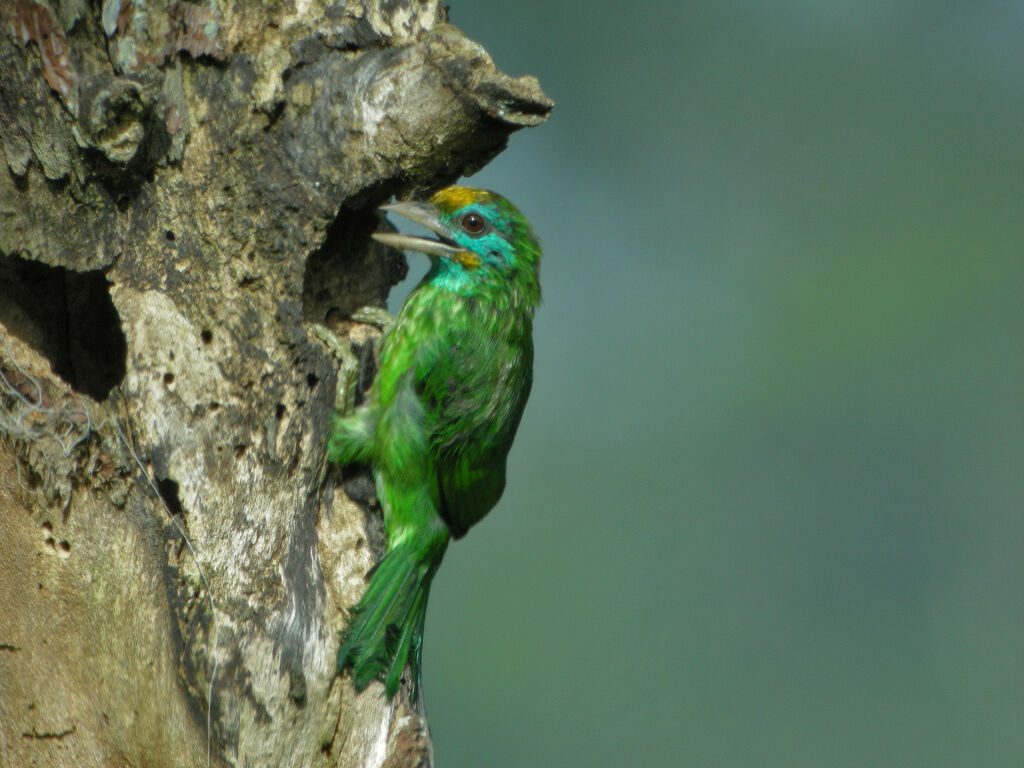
(385, 630)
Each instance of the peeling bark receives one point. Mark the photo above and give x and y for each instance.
(188, 186)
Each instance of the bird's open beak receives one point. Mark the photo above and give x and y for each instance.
(426, 215)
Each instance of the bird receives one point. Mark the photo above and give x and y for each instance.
(454, 374)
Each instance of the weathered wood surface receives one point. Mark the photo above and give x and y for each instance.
(187, 187)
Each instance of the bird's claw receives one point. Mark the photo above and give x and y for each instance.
(376, 316)
(341, 349)
(348, 370)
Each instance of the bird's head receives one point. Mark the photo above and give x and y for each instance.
(481, 239)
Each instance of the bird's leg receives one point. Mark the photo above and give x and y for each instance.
(348, 370)
(379, 318)
(374, 316)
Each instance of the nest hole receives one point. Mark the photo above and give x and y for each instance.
(169, 493)
(69, 318)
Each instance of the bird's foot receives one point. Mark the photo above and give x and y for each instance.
(349, 362)
(348, 368)
(376, 316)
(379, 318)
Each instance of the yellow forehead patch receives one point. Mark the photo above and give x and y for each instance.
(454, 198)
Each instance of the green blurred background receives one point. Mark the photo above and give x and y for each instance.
(764, 508)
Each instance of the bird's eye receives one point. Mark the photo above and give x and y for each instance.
(473, 223)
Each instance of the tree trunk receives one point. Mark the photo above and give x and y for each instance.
(188, 187)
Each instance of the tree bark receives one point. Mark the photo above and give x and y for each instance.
(189, 186)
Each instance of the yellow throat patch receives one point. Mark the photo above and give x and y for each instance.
(468, 259)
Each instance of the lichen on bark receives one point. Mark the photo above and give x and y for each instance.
(188, 186)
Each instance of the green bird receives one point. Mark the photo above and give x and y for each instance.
(455, 372)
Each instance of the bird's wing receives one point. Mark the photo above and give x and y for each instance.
(473, 399)
(468, 489)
